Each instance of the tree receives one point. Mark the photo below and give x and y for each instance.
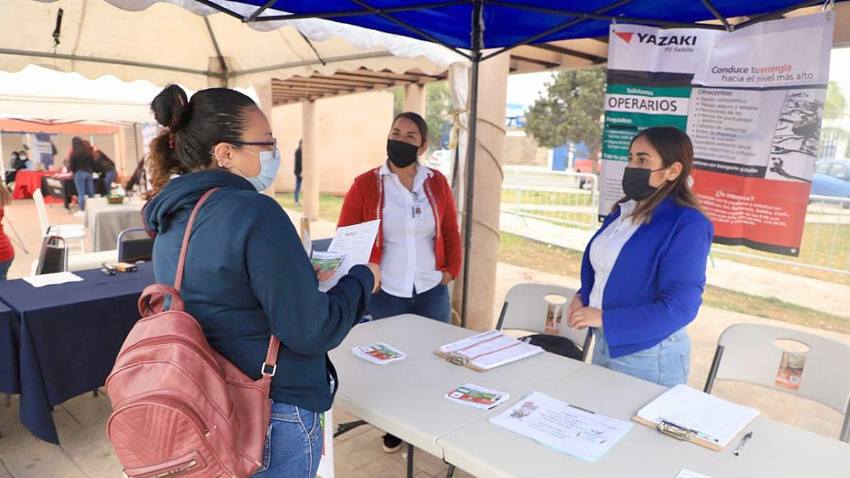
(438, 105)
(835, 102)
(571, 110)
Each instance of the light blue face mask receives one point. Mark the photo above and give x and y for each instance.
(269, 164)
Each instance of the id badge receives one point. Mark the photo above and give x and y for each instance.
(417, 211)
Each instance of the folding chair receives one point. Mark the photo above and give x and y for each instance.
(749, 353)
(136, 249)
(68, 231)
(53, 256)
(527, 309)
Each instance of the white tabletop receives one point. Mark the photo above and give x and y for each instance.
(776, 450)
(405, 398)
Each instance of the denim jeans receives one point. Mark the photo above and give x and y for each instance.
(84, 182)
(4, 268)
(293, 443)
(667, 363)
(297, 187)
(108, 179)
(433, 304)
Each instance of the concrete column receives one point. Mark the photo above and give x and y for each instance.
(310, 161)
(414, 98)
(264, 94)
(484, 251)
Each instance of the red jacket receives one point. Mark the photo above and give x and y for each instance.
(7, 252)
(365, 202)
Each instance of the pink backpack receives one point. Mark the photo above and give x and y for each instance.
(179, 407)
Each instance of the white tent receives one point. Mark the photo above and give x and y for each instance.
(165, 43)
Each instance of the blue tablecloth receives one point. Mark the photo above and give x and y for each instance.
(10, 331)
(70, 335)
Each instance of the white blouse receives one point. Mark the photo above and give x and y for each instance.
(606, 248)
(409, 230)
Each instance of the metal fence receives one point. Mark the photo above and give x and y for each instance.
(571, 199)
(560, 197)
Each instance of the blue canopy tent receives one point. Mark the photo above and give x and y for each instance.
(469, 26)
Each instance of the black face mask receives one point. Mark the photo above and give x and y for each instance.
(400, 153)
(636, 183)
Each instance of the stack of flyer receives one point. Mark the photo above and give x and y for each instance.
(378, 353)
(477, 397)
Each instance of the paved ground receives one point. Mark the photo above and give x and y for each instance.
(85, 452)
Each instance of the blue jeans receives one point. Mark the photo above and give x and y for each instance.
(84, 182)
(667, 363)
(433, 304)
(297, 187)
(108, 179)
(4, 268)
(293, 443)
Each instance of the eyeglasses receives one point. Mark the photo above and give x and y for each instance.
(271, 144)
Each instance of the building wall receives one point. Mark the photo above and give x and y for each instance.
(522, 150)
(352, 138)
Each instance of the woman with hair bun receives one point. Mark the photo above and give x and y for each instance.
(246, 273)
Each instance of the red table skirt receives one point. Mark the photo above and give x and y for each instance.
(26, 182)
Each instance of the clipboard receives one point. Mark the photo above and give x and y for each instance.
(486, 351)
(690, 415)
(680, 433)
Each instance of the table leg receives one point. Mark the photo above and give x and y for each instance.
(8, 400)
(347, 427)
(409, 460)
(451, 471)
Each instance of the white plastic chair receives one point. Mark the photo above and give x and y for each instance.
(526, 308)
(68, 231)
(749, 353)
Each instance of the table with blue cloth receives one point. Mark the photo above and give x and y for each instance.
(68, 337)
(10, 330)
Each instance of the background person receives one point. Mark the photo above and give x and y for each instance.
(81, 163)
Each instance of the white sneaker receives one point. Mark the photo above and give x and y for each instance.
(80, 214)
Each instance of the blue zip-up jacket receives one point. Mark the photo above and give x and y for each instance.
(655, 287)
(247, 275)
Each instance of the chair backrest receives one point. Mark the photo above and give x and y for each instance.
(53, 256)
(750, 353)
(38, 198)
(526, 308)
(134, 245)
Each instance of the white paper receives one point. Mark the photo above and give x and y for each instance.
(491, 349)
(477, 397)
(355, 244)
(685, 473)
(52, 279)
(567, 429)
(378, 353)
(716, 420)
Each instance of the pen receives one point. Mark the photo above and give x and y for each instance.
(743, 442)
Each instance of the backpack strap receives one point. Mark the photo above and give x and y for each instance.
(269, 367)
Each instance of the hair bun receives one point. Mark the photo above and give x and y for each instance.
(171, 108)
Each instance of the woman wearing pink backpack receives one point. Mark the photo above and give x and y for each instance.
(246, 273)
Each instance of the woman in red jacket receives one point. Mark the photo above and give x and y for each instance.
(7, 252)
(418, 243)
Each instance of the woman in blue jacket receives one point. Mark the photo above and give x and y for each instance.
(643, 272)
(247, 275)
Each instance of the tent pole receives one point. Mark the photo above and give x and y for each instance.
(470, 161)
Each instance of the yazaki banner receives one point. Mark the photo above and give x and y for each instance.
(751, 101)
